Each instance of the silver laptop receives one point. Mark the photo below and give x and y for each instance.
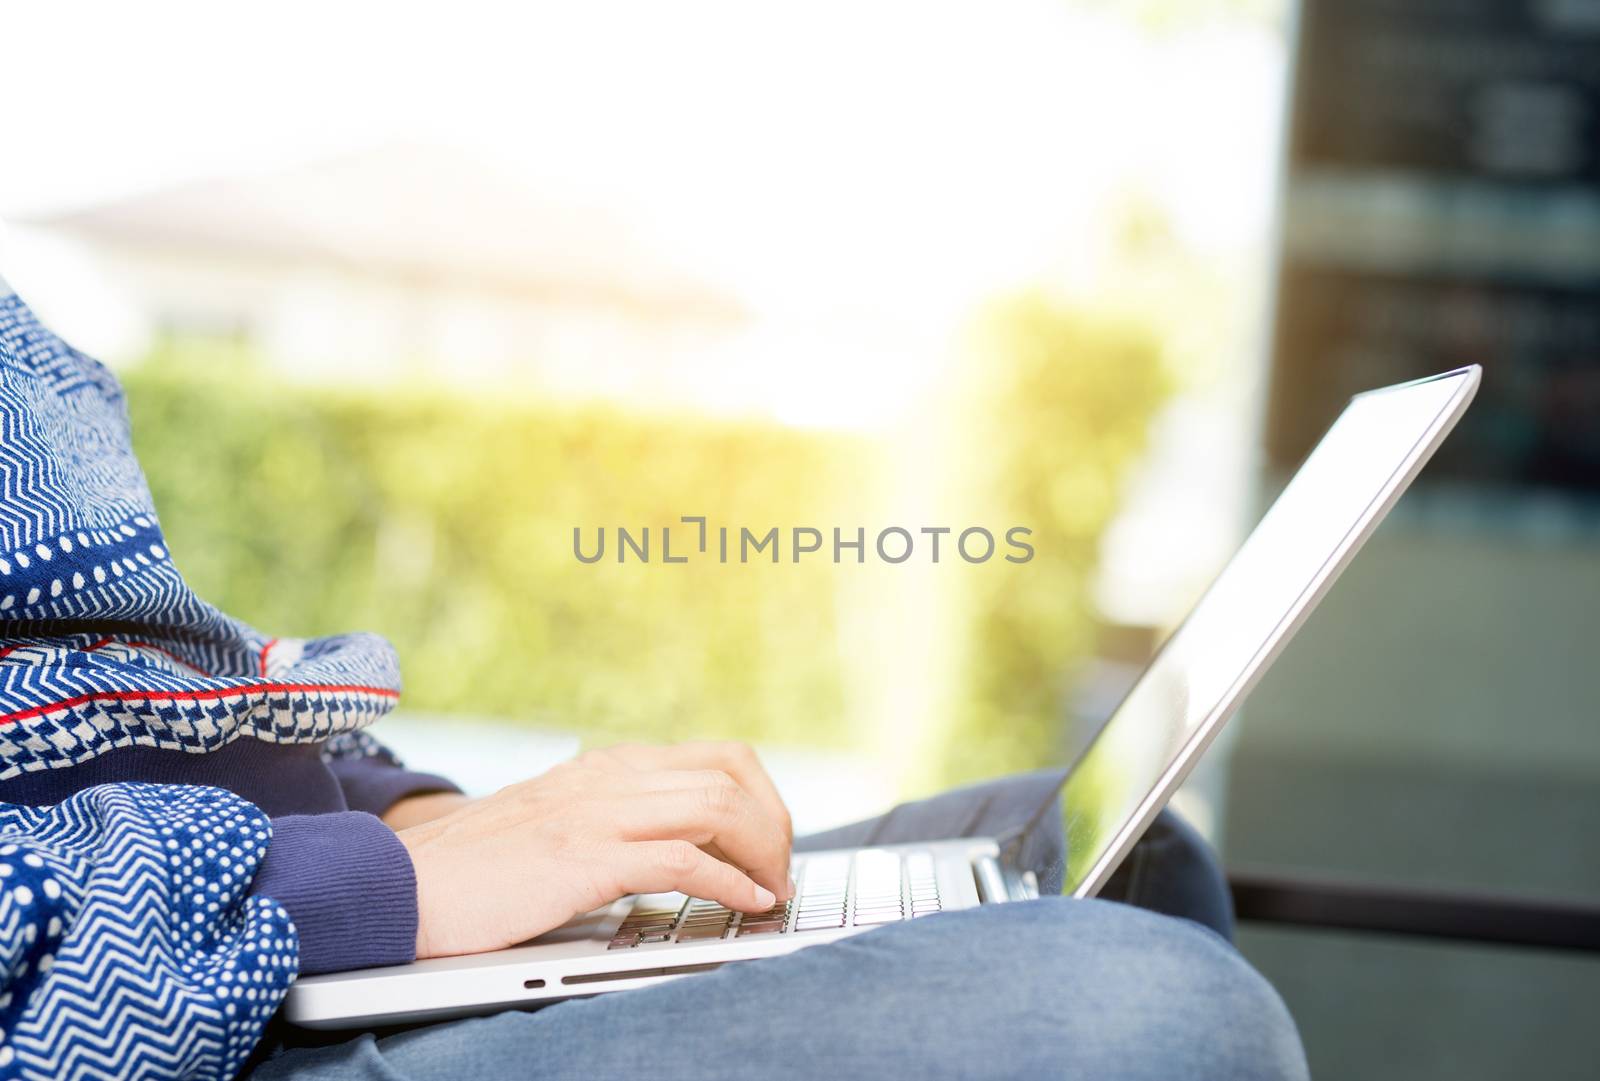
(1111, 794)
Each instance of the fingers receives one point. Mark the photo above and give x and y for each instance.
(726, 805)
(721, 817)
(735, 759)
(667, 866)
(740, 762)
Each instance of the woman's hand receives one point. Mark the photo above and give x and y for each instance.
(701, 818)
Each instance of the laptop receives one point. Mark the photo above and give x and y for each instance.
(1110, 795)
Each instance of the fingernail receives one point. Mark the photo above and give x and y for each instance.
(764, 897)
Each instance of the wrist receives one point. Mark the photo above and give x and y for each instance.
(416, 810)
(415, 842)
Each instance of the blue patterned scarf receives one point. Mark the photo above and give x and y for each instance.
(104, 644)
(129, 947)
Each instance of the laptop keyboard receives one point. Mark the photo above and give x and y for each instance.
(859, 889)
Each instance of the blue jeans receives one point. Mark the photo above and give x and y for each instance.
(1053, 988)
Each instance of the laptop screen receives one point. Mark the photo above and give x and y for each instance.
(1346, 483)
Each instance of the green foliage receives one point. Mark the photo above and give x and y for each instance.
(1061, 409)
(447, 525)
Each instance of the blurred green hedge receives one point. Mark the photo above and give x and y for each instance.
(446, 524)
(1059, 411)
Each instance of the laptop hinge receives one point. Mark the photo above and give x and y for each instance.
(991, 881)
(998, 882)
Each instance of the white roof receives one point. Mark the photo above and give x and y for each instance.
(409, 211)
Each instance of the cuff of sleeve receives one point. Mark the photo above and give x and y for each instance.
(348, 884)
(376, 784)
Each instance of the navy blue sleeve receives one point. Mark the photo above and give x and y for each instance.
(349, 887)
(377, 782)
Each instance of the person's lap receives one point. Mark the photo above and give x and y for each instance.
(1055, 987)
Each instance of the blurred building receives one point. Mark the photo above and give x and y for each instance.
(399, 263)
(1436, 723)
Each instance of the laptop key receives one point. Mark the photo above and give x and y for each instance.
(760, 929)
(698, 934)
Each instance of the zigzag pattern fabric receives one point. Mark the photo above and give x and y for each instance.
(128, 946)
(102, 642)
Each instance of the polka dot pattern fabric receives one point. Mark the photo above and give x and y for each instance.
(103, 644)
(129, 947)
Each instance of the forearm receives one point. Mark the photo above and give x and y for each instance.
(415, 810)
(378, 783)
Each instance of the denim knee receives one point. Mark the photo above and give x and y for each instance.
(1133, 994)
